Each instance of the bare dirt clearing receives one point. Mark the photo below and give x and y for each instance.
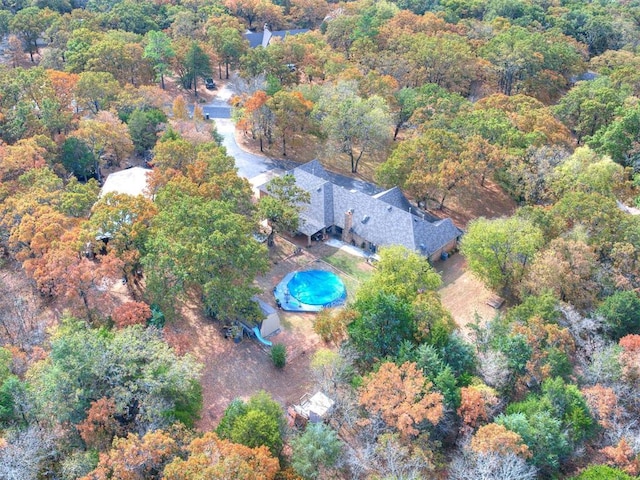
(240, 370)
(463, 294)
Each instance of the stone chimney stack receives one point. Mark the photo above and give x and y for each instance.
(347, 231)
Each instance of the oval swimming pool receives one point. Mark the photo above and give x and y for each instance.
(316, 287)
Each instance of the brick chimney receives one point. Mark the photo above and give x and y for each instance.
(347, 231)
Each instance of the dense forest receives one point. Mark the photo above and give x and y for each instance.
(538, 98)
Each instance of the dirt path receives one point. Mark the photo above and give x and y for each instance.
(463, 294)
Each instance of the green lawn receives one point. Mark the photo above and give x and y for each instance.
(356, 269)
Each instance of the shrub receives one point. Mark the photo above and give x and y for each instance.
(621, 312)
(260, 421)
(317, 448)
(602, 472)
(279, 355)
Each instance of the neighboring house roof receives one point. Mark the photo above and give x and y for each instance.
(386, 218)
(263, 38)
(132, 181)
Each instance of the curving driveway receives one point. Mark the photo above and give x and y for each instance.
(258, 169)
(249, 165)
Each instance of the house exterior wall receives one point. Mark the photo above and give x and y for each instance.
(447, 248)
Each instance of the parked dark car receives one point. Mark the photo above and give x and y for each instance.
(210, 84)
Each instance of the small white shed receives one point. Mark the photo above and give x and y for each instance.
(271, 321)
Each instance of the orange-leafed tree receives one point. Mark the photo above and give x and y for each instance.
(65, 272)
(64, 85)
(39, 228)
(246, 9)
(135, 458)
(475, 402)
(603, 404)
(494, 438)
(106, 135)
(100, 426)
(25, 155)
(124, 221)
(211, 458)
(622, 456)
(630, 358)
(259, 117)
(131, 313)
(402, 396)
(308, 13)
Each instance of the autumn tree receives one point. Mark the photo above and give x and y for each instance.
(495, 438)
(122, 221)
(402, 397)
(282, 205)
(131, 313)
(475, 404)
(623, 457)
(106, 136)
(603, 404)
(258, 117)
(212, 458)
(429, 166)
(331, 326)
(65, 272)
(100, 426)
(135, 458)
(568, 269)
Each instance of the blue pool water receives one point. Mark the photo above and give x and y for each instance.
(316, 287)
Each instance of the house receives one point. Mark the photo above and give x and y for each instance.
(257, 39)
(369, 221)
(132, 181)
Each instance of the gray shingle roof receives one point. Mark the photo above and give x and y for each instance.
(383, 219)
(263, 38)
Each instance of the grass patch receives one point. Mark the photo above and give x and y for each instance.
(355, 267)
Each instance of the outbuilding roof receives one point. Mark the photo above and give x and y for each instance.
(132, 181)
